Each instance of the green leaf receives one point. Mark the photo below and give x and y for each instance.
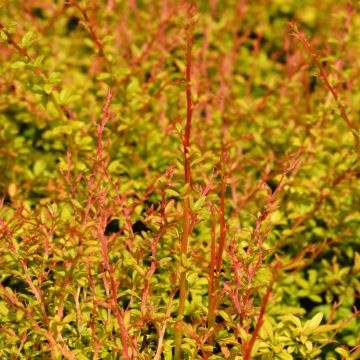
(18, 65)
(39, 167)
(69, 318)
(85, 141)
(3, 35)
(139, 269)
(287, 310)
(199, 203)
(3, 308)
(48, 88)
(185, 190)
(284, 356)
(114, 165)
(133, 86)
(192, 277)
(62, 129)
(343, 352)
(295, 320)
(267, 326)
(103, 76)
(165, 260)
(171, 192)
(64, 96)
(54, 77)
(302, 282)
(38, 61)
(225, 315)
(132, 293)
(26, 40)
(28, 345)
(315, 298)
(312, 276)
(76, 203)
(184, 260)
(12, 189)
(316, 320)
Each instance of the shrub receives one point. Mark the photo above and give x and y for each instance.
(179, 181)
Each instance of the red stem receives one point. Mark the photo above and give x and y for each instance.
(186, 205)
(248, 348)
(212, 298)
(302, 38)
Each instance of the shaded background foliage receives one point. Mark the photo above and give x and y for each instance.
(76, 174)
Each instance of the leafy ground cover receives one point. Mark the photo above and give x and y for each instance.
(179, 180)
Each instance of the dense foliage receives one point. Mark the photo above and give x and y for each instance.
(149, 143)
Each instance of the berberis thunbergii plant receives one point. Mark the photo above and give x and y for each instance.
(179, 180)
